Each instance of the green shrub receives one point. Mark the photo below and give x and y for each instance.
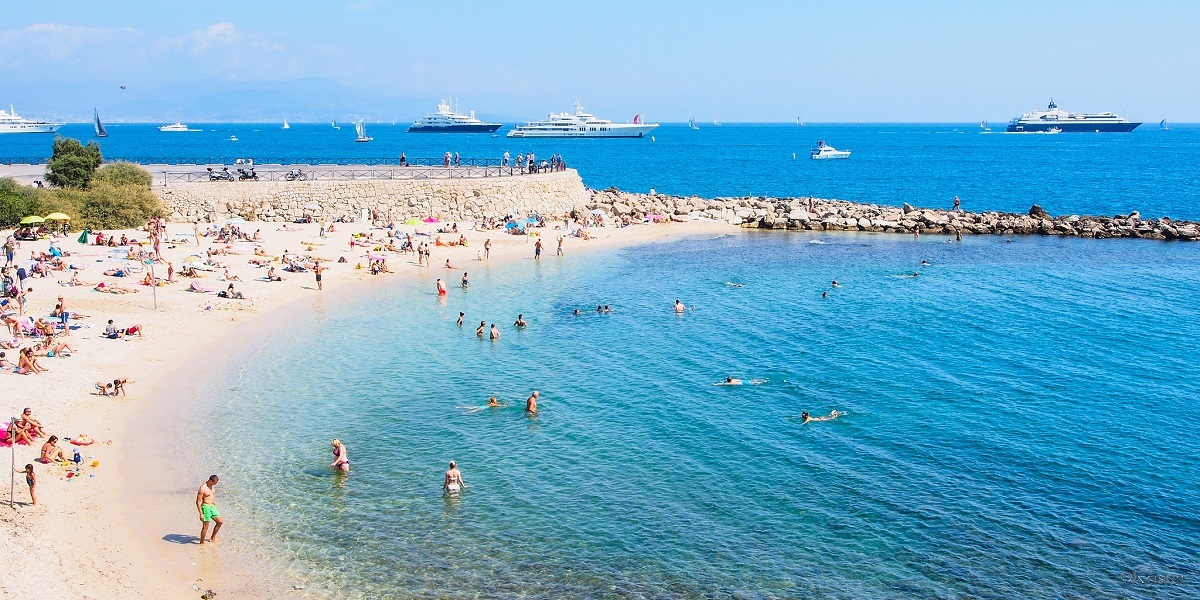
(16, 202)
(106, 206)
(72, 164)
(121, 173)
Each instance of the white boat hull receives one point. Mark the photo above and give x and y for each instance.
(616, 130)
(29, 128)
(838, 155)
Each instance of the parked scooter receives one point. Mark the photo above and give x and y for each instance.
(222, 175)
(243, 174)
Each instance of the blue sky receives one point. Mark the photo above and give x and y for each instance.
(840, 60)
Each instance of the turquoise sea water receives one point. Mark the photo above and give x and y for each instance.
(1020, 424)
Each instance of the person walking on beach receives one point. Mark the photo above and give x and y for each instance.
(560, 245)
(537, 250)
(453, 482)
(341, 461)
(196, 231)
(317, 270)
(487, 249)
(531, 403)
(206, 504)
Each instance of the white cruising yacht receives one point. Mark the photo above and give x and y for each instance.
(176, 126)
(449, 121)
(824, 151)
(11, 122)
(581, 124)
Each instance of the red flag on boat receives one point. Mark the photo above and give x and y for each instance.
(637, 118)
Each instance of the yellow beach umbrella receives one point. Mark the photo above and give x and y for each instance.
(57, 217)
(32, 220)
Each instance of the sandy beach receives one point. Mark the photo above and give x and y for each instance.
(124, 528)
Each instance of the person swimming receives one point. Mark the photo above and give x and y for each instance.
(679, 307)
(835, 283)
(732, 284)
(729, 381)
(831, 416)
(925, 263)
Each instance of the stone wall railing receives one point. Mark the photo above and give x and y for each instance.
(447, 199)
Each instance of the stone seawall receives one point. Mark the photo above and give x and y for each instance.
(840, 215)
(467, 199)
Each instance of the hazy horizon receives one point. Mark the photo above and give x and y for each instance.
(774, 61)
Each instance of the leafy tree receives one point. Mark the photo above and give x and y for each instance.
(16, 202)
(72, 164)
(122, 173)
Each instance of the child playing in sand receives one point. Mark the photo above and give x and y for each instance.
(31, 480)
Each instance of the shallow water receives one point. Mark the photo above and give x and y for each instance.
(1019, 424)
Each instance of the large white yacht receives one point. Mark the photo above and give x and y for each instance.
(11, 122)
(1053, 118)
(176, 126)
(449, 121)
(581, 124)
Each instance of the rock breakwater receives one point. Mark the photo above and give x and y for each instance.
(812, 214)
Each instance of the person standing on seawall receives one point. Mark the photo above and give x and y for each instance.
(957, 204)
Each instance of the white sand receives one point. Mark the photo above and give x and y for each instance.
(112, 533)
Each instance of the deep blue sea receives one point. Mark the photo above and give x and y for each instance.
(1150, 170)
(1020, 423)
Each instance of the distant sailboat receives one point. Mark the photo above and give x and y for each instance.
(983, 125)
(361, 128)
(1162, 125)
(333, 123)
(285, 125)
(715, 123)
(692, 123)
(100, 131)
(799, 121)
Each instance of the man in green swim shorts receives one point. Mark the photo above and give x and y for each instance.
(206, 504)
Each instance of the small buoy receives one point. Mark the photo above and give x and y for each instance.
(652, 138)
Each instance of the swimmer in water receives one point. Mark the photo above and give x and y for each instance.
(824, 294)
(479, 330)
(835, 283)
(729, 381)
(732, 284)
(679, 307)
(494, 334)
(832, 415)
(607, 309)
(441, 288)
(531, 403)
(925, 263)
(493, 402)
(460, 318)
(465, 282)
(576, 312)
(520, 321)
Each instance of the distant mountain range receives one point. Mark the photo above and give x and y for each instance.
(213, 100)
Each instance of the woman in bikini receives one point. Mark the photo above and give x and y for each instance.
(454, 481)
(341, 461)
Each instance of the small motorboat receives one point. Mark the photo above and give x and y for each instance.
(824, 151)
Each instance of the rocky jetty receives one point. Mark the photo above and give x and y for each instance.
(812, 214)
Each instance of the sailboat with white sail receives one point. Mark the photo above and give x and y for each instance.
(100, 130)
(1162, 125)
(361, 128)
(333, 123)
(983, 125)
(285, 124)
(692, 124)
(799, 121)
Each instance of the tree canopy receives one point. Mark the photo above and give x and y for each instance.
(73, 164)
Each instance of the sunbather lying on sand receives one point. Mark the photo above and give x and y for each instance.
(113, 289)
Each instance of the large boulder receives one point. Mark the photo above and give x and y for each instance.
(1038, 212)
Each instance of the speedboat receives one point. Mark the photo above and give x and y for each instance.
(824, 151)
(176, 126)
(582, 124)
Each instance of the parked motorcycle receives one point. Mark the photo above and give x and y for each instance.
(296, 175)
(222, 175)
(243, 174)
